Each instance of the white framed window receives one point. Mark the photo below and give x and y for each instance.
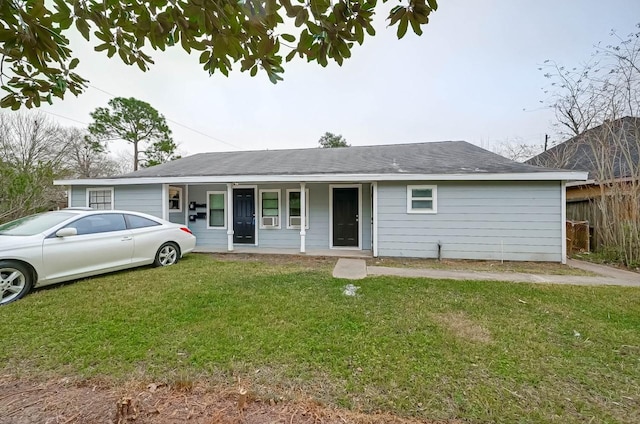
(217, 210)
(175, 199)
(100, 198)
(293, 208)
(270, 209)
(422, 199)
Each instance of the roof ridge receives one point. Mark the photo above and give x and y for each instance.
(333, 148)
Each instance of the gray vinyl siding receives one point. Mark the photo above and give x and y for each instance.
(139, 198)
(318, 232)
(479, 220)
(177, 217)
(366, 216)
(78, 197)
(205, 237)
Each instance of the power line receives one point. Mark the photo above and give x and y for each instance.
(65, 117)
(181, 125)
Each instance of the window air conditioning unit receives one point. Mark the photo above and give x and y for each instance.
(294, 221)
(270, 221)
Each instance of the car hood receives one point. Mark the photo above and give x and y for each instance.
(11, 243)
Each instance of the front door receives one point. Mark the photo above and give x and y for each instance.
(345, 217)
(244, 216)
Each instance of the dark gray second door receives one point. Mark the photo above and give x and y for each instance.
(244, 216)
(345, 217)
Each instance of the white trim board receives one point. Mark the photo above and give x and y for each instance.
(330, 178)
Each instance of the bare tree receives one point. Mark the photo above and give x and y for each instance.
(32, 150)
(123, 162)
(87, 157)
(28, 139)
(597, 104)
(516, 150)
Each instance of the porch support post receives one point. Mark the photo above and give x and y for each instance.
(229, 217)
(165, 202)
(374, 215)
(303, 218)
(185, 204)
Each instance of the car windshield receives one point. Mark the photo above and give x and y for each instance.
(34, 224)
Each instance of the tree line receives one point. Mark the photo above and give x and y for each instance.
(35, 150)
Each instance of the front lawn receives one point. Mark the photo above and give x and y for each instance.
(433, 349)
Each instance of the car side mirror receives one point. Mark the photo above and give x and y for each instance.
(67, 232)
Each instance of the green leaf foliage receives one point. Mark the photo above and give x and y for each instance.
(138, 123)
(330, 140)
(38, 62)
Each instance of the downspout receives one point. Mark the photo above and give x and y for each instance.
(303, 220)
(229, 217)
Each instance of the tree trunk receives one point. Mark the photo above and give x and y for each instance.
(135, 155)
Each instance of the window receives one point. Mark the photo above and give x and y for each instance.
(100, 198)
(422, 199)
(216, 209)
(102, 223)
(269, 208)
(135, 221)
(175, 199)
(293, 208)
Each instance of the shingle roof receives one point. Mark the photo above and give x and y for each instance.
(615, 143)
(448, 157)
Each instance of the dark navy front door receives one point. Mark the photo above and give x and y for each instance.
(345, 217)
(244, 216)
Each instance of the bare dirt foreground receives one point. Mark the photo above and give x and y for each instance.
(63, 401)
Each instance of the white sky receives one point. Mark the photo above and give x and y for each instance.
(473, 75)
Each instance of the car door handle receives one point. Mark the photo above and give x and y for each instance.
(127, 238)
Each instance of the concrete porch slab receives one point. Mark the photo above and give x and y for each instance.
(338, 253)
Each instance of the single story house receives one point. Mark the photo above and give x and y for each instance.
(443, 199)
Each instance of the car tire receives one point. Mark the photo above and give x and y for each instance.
(16, 280)
(168, 254)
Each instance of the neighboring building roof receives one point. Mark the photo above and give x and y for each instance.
(610, 149)
(446, 158)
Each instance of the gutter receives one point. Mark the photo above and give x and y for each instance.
(328, 178)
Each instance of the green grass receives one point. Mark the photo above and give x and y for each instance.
(435, 349)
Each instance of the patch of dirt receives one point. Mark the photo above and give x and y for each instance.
(64, 401)
(546, 268)
(463, 327)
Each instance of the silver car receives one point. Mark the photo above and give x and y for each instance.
(64, 245)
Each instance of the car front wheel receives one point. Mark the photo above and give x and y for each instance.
(168, 254)
(15, 281)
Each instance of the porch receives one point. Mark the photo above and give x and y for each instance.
(317, 219)
(278, 251)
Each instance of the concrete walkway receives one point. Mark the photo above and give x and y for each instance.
(357, 269)
(350, 269)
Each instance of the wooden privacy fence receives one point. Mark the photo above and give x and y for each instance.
(578, 239)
